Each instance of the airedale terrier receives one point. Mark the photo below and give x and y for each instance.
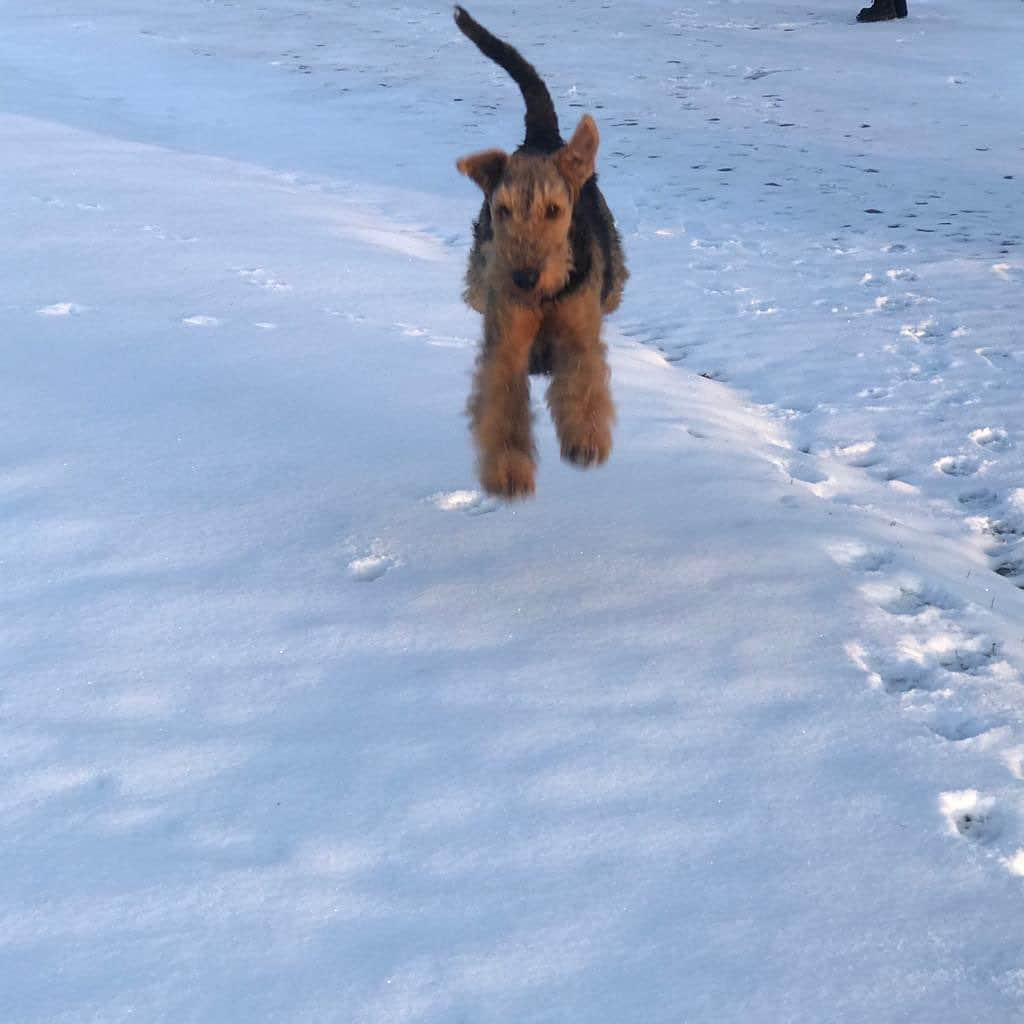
(545, 266)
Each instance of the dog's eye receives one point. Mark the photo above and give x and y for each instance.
(553, 211)
(502, 212)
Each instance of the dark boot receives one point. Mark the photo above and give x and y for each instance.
(901, 8)
(880, 10)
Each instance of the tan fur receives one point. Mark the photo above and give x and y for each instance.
(529, 201)
(552, 324)
(579, 397)
(499, 405)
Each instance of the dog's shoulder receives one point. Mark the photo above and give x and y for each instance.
(593, 228)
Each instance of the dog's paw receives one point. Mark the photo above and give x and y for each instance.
(591, 449)
(508, 475)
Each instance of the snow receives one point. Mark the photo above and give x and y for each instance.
(297, 725)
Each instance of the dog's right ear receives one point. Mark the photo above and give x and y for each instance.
(576, 158)
(484, 168)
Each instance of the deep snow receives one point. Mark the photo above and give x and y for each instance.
(297, 726)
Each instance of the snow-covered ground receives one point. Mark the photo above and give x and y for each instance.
(296, 726)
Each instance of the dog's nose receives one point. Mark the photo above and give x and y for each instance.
(526, 279)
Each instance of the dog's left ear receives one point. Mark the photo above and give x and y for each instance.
(577, 157)
(484, 168)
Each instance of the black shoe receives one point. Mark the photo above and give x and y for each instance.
(901, 8)
(880, 10)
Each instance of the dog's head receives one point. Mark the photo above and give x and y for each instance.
(530, 197)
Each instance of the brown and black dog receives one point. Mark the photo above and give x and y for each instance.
(545, 267)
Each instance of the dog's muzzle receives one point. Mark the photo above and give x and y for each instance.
(526, 279)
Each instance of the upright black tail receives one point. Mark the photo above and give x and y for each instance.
(541, 119)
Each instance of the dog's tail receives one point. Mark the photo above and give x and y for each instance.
(541, 119)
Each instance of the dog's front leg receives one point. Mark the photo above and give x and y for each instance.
(500, 404)
(579, 396)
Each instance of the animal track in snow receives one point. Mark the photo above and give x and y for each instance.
(894, 674)
(971, 815)
(926, 330)
(437, 340)
(874, 394)
(994, 438)
(852, 554)
(928, 662)
(259, 277)
(861, 454)
(759, 307)
(1005, 537)
(957, 727)
(471, 502)
(908, 597)
(958, 465)
(1011, 567)
(803, 471)
(60, 204)
(996, 358)
(158, 232)
(62, 309)
(981, 498)
(369, 568)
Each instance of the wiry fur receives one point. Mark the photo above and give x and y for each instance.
(545, 266)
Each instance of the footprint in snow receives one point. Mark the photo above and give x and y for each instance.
(908, 597)
(804, 471)
(861, 454)
(874, 394)
(437, 340)
(962, 655)
(996, 358)
(929, 663)
(927, 330)
(853, 554)
(898, 676)
(991, 437)
(163, 236)
(971, 815)
(982, 498)
(259, 277)
(1011, 567)
(958, 465)
(62, 309)
(369, 568)
(901, 274)
(958, 727)
(473, 503)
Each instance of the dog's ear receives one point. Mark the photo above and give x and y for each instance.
(484, 168)
(577, 157)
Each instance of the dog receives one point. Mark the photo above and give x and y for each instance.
(545, 266)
